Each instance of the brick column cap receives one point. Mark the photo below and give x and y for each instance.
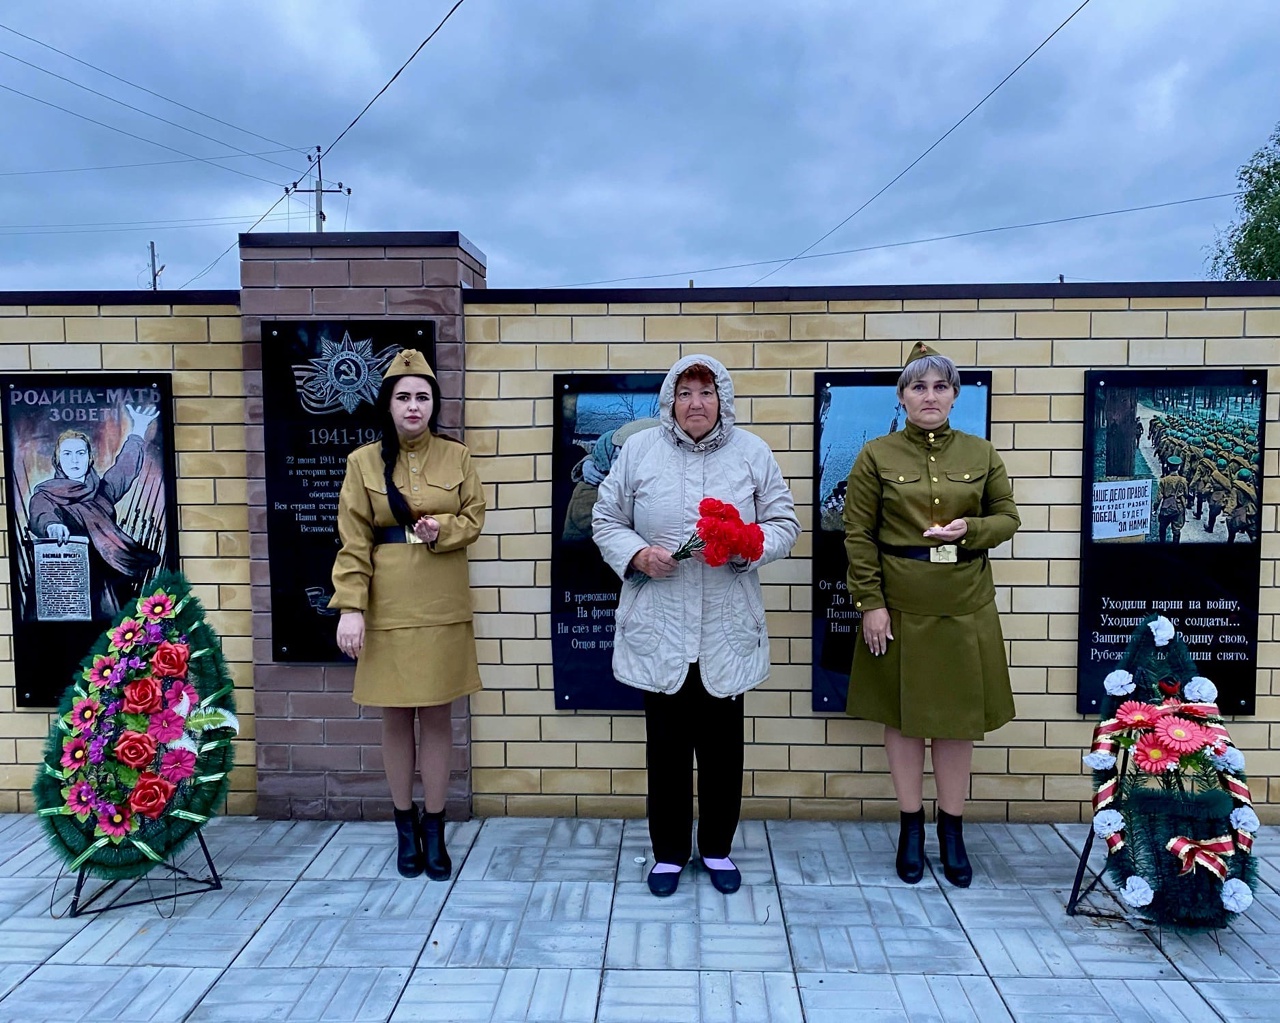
(365, 239)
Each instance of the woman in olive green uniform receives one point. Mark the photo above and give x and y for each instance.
(410, 506)
(923, 507)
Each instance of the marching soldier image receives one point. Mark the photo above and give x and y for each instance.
(1222, 495)
(1171, 500)
(1200, 485)
(1244, 516)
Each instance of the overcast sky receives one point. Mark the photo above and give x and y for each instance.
(581, 140)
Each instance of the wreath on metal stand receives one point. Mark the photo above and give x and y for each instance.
(1170, 798)
(139, 754)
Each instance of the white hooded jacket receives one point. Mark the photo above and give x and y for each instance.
(650, 497)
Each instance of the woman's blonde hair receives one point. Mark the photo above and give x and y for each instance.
(917, 369)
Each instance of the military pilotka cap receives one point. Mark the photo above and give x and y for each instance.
(920, 351)
(408, 363)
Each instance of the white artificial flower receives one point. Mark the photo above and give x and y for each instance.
(1231, 760)
(1200, 690)
(1118, 683)
(1136, 892)
(1100, 761)
(1236, 896)
(1107, 822)
(186, 742)
(1162, 629)
(1244, 819)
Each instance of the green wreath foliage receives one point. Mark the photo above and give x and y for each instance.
(139, 755)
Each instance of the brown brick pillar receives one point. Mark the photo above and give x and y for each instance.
(319, 754)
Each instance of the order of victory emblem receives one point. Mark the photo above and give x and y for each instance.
(345, 374)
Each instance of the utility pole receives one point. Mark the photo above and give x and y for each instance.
(320, 191)
(155, 274)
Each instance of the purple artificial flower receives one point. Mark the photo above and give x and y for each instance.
(153, 634)
(98, 749)
(81, 798)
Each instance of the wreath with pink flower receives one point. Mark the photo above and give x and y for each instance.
(1171, 800)
(139, 754)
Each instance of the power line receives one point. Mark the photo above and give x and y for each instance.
(914, 241)
(140, 138)
(229, 218)
(145, 113)
(902, 173)
(126, 228)
(143, 88)
(218, 260)
(128, 166)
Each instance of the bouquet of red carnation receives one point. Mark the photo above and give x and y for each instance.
(721, 534)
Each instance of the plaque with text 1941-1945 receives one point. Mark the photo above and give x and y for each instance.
(320, 381)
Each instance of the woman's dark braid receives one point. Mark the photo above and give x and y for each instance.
(390, 453)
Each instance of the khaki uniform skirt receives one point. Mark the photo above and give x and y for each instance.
(419, 666)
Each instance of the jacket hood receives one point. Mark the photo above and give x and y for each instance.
(724, 391)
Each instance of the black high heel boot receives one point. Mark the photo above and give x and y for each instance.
(955, 860)
(409, 860)
(911, 847)
(438, 864)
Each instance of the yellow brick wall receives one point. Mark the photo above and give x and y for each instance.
(201, 346)
(532, 759)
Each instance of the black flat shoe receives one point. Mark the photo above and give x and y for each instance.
(664, 884)
(725, 881)
(955, 860)
(910, 862)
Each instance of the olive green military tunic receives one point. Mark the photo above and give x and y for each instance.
(944, 674)
(419, 645)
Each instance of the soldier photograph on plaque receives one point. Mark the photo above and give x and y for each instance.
(320, 380)
(90, 468)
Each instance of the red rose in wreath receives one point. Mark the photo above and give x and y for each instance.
(135, 749)
(143, 696)
(151, 795)
(170, 659)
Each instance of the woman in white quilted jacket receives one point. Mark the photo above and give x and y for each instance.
(690, 635)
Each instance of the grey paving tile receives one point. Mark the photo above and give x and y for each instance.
(875, 930)
(661, 996)
(1104, 1001)
(1242, 1001)
(697, 929)
(522, 924)
(567, 850)
(838, 853)
(383, 898)
(128, 993)
(33, 939)
(1224, 955)
(367, 849)
(493, 995)
(33, 858)
(302, 995)
(840, 997)
(13, 974)
(750, 854)
(17, 831)
(247, 849)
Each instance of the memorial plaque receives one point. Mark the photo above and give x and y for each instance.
(1170, 517)
(594, 414)
(849, 410)
(320, 380)
(89, 467)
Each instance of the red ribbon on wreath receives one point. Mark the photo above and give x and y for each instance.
(1207, 853)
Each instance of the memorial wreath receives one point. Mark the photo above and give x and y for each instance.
(139, 753)
(1171, 800)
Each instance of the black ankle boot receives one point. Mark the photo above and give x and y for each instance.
(955, 861)
(911, 847)
(409, 859)
(438, 864)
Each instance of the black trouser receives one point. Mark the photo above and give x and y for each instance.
(676, 727)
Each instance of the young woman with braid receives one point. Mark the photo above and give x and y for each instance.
(410, 506)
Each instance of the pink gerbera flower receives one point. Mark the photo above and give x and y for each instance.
(113, 821)
(80, 799)
(84, 713)
(156, 607)
(125, 636)
(104, 671)
(176, 764)
(1136, 714)
(1178, 735)
(165, 725)
(178, 689)
(1152, 757)
(75, 753)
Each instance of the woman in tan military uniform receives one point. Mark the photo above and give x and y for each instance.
(922, 508)
(410, 506)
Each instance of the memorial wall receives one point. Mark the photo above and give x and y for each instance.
(1114, 407)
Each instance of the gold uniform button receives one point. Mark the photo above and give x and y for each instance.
(966, 475)
(414, 469)
(964, 541)
(935, 500)
(902, 479)
(415, 488)
(931, 436)
(857, 603)
(935, 479)
(932, 459)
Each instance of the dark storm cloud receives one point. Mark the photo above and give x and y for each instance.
(576, 141)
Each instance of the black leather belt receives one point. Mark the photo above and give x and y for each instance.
(945, 554)
(394, 534)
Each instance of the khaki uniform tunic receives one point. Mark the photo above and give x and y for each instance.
(419, 647)
(944, 675)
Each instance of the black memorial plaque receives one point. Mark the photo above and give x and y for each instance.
(319, 382)
(594, 414)
(851, 408)
(1136, 558)
(89, 464)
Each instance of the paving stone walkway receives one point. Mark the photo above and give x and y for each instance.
(550, 920)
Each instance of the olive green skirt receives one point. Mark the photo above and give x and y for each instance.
(941, 678)
(423, 666)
